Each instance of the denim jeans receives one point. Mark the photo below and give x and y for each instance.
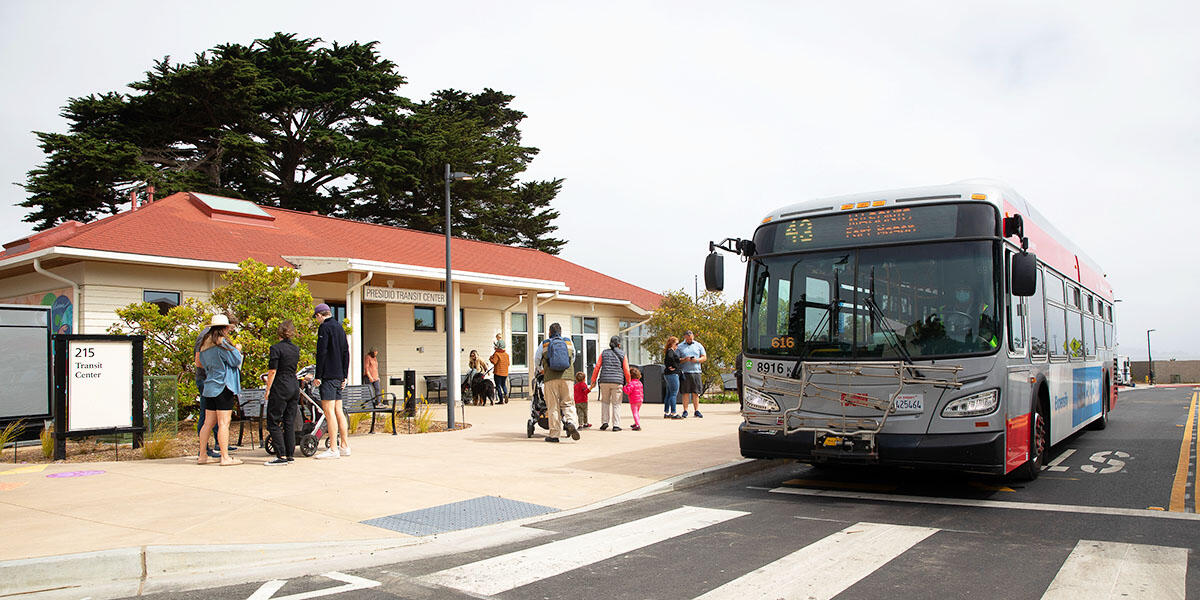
(672, 392)
(501, 386)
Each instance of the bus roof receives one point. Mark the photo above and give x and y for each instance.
(1050, 245)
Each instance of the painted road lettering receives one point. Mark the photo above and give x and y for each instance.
(1109, 465)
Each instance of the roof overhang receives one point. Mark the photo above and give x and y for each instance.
(612, 301)
(123, 257)
(321, 265)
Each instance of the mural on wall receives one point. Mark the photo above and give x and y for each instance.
(59, 301)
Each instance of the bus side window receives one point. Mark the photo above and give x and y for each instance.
(1037, 319)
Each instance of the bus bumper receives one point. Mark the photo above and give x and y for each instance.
(982, 451)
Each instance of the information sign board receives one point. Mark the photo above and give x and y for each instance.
(97, 387)
(99, 374)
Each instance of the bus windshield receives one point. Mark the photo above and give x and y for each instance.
(919, 301)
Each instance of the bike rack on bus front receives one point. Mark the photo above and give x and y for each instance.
(845, 436)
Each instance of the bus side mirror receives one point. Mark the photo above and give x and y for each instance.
(714, 272)
(1024, 274)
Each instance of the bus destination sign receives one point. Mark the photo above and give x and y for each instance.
(905, 224)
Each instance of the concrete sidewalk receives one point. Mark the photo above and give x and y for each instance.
(176, 502)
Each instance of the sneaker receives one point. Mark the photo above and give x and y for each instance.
(291, 459)
(345, 451)
(232, 449)
(636, 428)
(552, 440)
(603, 427)
(213, 453)
(330, 453)
(586, 426)
(275, 463)
(616, 428)
(674, 416)
(684, 415)
(698, 415)
(573, 432)
(667, 416)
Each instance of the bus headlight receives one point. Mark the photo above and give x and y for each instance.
(974, 405)
(759, 401)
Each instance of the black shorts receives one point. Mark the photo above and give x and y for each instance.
(689, 383)
(223, 401)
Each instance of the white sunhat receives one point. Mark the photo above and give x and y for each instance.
(219, 320)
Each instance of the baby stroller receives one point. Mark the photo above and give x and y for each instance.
(537, 408)
(310, 424)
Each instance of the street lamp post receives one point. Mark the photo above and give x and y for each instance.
(1149, 358)
(451, 314)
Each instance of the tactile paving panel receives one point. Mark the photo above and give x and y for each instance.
(475, 512)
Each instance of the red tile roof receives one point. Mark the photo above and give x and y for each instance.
(178, 227)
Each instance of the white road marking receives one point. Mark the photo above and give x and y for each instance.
(267, 589)
(1067, 508)
(1109, 465)
(1099, 570)
(513, 570)
(1053, 466)
(826, 567)
(352, 583)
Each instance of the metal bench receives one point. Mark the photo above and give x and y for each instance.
(435, 388)
(362, 399)
(518, 385)
(252, 404)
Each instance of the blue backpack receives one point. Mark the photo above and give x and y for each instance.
(558, 358)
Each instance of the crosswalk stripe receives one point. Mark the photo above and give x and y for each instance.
(508, 571)
(826, 567)
(1097, 570)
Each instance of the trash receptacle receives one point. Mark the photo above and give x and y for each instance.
(653, 383)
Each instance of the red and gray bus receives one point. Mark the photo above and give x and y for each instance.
(948, 326)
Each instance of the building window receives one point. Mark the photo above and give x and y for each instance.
(520, 339)
(541, 330)
(424, 318)
(163, 300)
(632, 342)
(462, 319)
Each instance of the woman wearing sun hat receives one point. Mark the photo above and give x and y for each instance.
(221, 359)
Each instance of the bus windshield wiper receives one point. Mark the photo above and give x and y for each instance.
(880, 321)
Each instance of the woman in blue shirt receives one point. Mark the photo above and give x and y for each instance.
(221, 360)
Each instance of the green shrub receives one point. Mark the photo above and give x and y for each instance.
(159, 444)
(47, 438)
(9, 434)
(424, 419)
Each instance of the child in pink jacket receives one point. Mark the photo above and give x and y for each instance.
(634, 390)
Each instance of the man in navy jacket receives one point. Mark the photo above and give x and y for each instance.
(333, 365)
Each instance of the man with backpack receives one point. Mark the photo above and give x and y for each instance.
(558, 371)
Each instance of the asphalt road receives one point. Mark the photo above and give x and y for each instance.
(1089, 526)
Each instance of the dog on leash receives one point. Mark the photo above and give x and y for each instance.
(481, 390)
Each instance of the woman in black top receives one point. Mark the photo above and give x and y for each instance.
(671, 376)
(283, 395)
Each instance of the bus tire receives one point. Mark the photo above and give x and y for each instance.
(1102, 422)
(1039, 437)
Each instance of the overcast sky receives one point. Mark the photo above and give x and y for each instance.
(675, 123)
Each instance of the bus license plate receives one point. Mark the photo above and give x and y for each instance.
(909, 402)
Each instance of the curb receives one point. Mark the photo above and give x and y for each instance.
(139, 570)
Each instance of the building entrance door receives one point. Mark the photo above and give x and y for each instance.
(585, 337)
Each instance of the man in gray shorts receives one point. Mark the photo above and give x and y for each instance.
(691, 357)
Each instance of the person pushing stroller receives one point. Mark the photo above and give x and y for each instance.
(558, 371)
